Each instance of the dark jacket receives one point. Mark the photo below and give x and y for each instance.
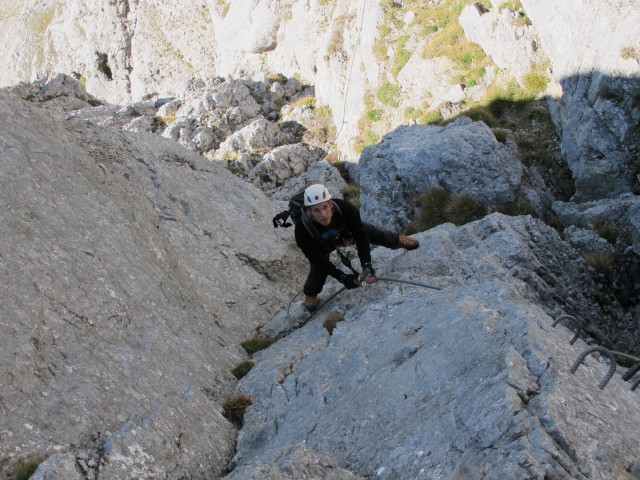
(345, 224)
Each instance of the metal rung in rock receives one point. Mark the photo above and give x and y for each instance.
(605, 352)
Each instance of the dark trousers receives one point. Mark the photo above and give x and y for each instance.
(318, 276)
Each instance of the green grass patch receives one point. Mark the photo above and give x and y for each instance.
(374, 115)
(432, 117)
(501, 134)
(518, 207)
(242, 369)
(431, 210)
(402, 55)
(436, 206)
(26, 467)
(463, 209)
(411, 112)
(306, 101)
(388, 94)
(630, 53)
(324, 111)
(255, 344)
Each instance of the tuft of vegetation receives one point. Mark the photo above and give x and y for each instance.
(630, 53)
(26, 467)
(374, 115)
(402, 55)
(411, 112)
(606, 230)
(554, 222)
(604, 263)
(306, 101)
(351, 192)
(234, 407)
(432, 117)
(388, 94)
(255, 344)
(336, 44)
(332, 320)
(500, 134)
(324, 111)
(516, 7)
(432, 206)
(478, 113)
(446, 39)
(242, 369)
(518, 207)
(463, 209)
(535, 82)
(277, 78)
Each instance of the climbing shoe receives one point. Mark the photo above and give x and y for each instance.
(408, 243)
(311, 303)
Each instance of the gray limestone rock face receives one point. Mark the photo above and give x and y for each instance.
(132, 269)
(621, 213)
(597, 110)
(462, 157)
(470, 381)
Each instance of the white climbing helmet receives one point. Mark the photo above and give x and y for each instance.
(316, 193)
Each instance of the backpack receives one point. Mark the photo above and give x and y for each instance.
(297, 213)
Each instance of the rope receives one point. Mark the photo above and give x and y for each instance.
(353, 61)
(304, 322)
(407, 282)
(348, 83)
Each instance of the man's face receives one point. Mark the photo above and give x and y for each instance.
(321, 212)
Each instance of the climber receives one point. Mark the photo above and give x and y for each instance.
(327, 224)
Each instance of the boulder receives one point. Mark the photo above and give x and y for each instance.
(259, 135)
(621, 213)
(283, 163)
(462, 157)
(59, 90)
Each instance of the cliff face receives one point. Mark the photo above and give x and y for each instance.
(132, 269)
(349, 50)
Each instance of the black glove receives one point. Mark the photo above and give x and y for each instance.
(367, 269)
(368, 274)
(349, 281)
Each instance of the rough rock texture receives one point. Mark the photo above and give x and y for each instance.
(622, 213)
(512, 45)
(294, 463)
(597, 112)
(124, 50)
(470, 381)
(462, 157)
(132, 268)
(283, 163)
(61, 91)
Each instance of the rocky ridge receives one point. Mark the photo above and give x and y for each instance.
(129, 284)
